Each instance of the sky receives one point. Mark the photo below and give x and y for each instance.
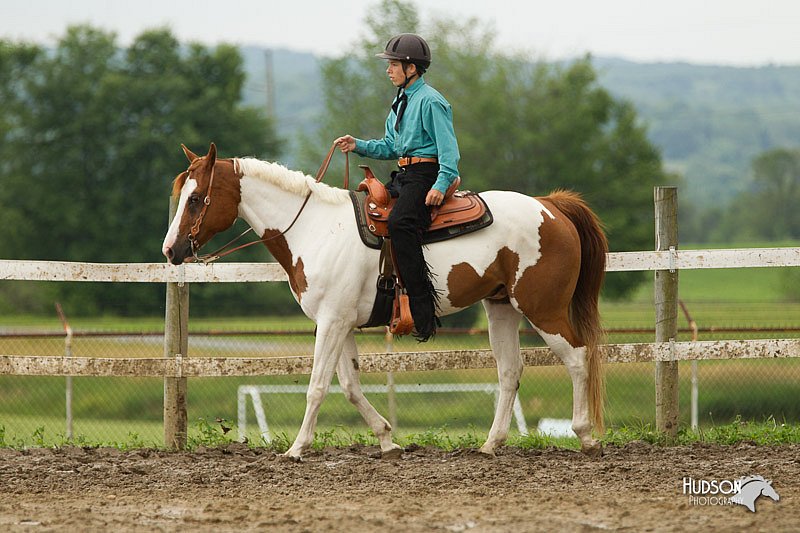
(724, 32)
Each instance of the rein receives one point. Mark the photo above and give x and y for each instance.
(223, 251)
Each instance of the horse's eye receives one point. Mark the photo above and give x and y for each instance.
(194, 199)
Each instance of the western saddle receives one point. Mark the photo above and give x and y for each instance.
(457, 209)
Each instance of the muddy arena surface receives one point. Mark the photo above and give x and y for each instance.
(635, 488)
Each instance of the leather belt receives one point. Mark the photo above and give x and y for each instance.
(405, 161)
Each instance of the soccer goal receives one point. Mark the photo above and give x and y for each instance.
(254, 392)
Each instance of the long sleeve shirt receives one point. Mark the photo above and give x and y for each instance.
(426, 130)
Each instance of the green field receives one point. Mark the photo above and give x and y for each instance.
(129, 410)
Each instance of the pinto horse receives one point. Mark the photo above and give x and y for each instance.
(542, 258)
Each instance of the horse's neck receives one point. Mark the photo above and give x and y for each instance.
(267, 207)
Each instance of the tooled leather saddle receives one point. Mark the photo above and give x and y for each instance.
(461, 212)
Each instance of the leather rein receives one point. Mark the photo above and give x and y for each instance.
(224, 250)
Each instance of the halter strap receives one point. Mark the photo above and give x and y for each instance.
(223, 251)
(206, 202)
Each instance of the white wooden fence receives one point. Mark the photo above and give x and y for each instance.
(175, 366)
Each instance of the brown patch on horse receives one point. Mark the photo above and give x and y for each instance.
(279, 249)
(180, 179)
(465, 286)
(225, 198)
(544, 291)
(584, 316)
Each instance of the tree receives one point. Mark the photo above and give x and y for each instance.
(776, 176)
(91, 142)
(767, 209)
(522, 125)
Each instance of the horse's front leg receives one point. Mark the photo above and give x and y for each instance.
(331, 335)
(504, 340)
(348, 379)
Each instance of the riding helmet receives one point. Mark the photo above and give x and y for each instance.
(408, 47)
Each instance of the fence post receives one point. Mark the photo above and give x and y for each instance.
(176, 345)
(666, 303)
(390, 389)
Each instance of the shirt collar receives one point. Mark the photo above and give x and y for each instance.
(415, 86)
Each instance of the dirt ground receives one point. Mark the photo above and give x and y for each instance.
(635, 488)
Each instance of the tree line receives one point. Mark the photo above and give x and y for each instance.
(91, 136)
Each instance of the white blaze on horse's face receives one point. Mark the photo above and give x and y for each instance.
(170, 241)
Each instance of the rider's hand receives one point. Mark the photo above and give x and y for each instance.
(434, 197)
(346, 143)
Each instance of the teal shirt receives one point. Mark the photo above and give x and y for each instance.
(425, 131)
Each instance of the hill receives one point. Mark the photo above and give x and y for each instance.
(709, 121)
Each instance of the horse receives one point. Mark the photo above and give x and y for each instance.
(543, 258)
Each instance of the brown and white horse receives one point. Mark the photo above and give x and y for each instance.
(542, 258)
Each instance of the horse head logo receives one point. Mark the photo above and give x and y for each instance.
(751, 488)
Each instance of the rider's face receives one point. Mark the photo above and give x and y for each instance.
(395, 72)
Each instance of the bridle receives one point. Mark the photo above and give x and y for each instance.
(224, 250)
(195, 230)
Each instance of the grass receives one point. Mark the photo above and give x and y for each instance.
(217, 433)
(766, 433)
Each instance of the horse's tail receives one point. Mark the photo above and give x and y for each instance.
(584, 312)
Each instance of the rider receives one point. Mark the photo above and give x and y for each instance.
(419, 134)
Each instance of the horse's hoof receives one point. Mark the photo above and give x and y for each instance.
(286, 458)
(394, 453)
(489, 453)
(594, 450)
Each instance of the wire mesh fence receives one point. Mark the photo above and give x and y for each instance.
(128, 411)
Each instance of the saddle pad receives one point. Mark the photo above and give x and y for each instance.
(367, 237)
(434, 235)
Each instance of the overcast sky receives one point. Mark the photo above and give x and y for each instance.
(729, 32)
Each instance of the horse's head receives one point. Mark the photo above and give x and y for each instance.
(208, 196)
(769, 491)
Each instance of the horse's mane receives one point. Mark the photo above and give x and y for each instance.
(291, 180)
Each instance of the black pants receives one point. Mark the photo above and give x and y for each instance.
(409, 219)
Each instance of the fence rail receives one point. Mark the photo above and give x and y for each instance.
(186, 367)
(260, 272)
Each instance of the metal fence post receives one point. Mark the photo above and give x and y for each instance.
(666, 303)
(176, 345)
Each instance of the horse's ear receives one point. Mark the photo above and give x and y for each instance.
(212, 153)
(191, 156)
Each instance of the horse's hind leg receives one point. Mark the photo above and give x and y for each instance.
(348, 379)
(560, 337)
(504, 339)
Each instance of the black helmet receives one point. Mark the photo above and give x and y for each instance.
(408, 47)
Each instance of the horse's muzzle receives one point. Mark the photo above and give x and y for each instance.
(178, 253)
